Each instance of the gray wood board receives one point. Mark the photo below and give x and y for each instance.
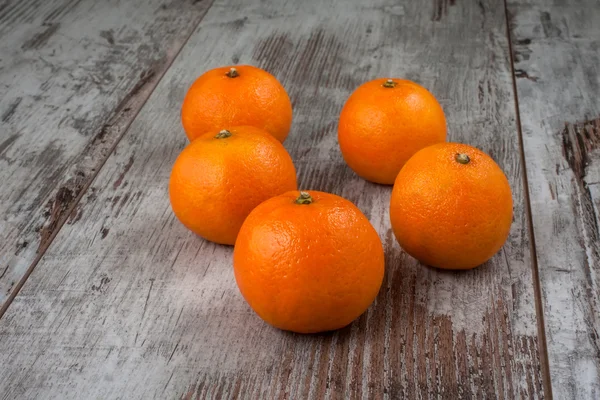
(73, 75)
(557, 65)
(127, 303)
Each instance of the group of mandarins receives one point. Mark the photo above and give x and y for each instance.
(309, 261)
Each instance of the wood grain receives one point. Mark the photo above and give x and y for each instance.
(557, 65)
(127, 303)
(73, 75)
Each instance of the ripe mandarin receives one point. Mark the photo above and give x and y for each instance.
(308, 261)
(451, 206)
(234, 96)
(384, 122)
(222, 175)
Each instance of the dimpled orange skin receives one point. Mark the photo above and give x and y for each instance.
(308, 268)
(215, 183)
(380, 127)
(253, 97)
(451, 215)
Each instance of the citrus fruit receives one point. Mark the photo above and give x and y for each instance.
(451, 206)
(308, 261)
(222, 175)
(384, 122)
(234, 96)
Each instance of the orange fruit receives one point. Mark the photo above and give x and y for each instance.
(308, 262)
(222, 175)
(451, 206)
(384, 122)
(234, 96)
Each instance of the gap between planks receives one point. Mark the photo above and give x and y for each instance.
(152, 83)
(539, 309)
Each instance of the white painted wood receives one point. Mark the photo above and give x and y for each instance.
(73, 74)
(126, 303)
(557, 64)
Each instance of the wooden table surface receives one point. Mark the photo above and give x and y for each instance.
(105, 295)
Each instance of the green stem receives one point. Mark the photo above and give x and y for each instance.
(224, 134)
(304, 198)
(232, 73)
(389, 84)
(462, 158)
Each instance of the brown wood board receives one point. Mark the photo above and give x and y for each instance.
(73, 75)
(557, 69)
(127, 303)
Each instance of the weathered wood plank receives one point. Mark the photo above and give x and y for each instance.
(73, 74)
(557, 64)
(126, 302)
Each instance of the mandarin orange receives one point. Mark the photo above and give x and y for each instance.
(222, 175)
(308, 261)
(451, 206)
(234, 96)
(383, 123)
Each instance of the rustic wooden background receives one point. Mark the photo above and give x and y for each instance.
(105, 295)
